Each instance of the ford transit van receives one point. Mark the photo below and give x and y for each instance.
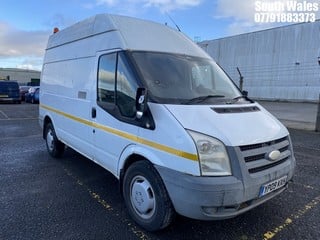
(146, 103)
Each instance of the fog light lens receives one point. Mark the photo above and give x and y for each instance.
(209, 210)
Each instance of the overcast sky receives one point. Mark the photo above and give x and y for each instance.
(25, 25)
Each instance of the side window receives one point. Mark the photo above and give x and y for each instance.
(115, 74)
(126, 88)
(106, 78)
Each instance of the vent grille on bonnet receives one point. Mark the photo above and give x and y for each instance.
(235, 109)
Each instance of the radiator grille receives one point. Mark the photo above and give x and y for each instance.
(256, 155)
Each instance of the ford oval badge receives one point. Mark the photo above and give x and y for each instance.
(274, 155)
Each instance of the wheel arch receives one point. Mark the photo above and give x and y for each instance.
(134, 153)
(158, 211)
(47, 119)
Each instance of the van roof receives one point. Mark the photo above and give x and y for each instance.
(114, 31)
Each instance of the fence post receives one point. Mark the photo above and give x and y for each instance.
(318, 117)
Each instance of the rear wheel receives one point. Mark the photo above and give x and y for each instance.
(146, 197)
(54, 146)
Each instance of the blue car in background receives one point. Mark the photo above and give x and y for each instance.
(32, 95)
(9, 92)
(23, 91)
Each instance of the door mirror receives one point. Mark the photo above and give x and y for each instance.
(245, 93)
(141, 102)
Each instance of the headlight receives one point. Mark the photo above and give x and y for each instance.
(214, 160)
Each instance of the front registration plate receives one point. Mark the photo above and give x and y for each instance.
(4, 96)
(272, 186)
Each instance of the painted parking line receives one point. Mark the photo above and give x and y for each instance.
(298, 214)
(24, 137)
(306, 186)
(140, 234)
(4, 115)
(17, 119)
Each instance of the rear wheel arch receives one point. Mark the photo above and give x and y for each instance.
(55, 147)
(46, 121)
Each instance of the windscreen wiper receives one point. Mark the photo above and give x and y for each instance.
(236, 99)
(202, 99)
(239, 97)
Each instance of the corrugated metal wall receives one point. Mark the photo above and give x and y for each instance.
(280, 63)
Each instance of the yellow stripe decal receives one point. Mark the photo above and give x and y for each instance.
(126, 135)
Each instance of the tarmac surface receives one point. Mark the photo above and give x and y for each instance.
(73, 198)
(292, 114)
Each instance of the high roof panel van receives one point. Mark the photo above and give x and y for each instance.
(150, 106)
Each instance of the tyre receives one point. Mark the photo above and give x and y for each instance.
(146, 197)
(54, 146)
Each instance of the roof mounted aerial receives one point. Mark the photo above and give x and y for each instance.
(173, 22)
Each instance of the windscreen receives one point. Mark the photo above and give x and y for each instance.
(9, 87)
(180, 79)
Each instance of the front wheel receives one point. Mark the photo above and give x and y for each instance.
(54, 146)
(146, 197)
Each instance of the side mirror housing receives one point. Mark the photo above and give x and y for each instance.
(245, 93)
(141, 102)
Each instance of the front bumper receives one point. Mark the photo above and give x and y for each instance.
(211, 198)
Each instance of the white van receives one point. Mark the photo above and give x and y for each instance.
(150, 106)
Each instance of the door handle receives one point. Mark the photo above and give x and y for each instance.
(93, 112)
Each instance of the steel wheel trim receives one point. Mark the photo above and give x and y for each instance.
(142, 197)
(50, 140)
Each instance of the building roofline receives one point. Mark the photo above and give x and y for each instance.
(263, 30)
(19, 70)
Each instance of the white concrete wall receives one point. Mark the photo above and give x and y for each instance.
(280, 63)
